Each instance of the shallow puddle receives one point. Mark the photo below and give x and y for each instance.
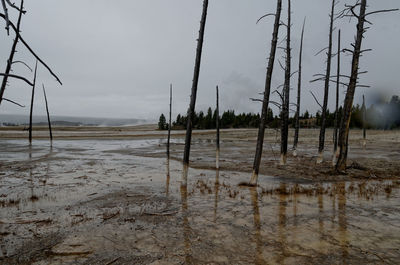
(95, 202)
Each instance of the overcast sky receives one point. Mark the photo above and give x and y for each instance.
(117, 58)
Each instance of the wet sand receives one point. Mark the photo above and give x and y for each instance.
(115, 199)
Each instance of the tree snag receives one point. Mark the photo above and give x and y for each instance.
(13, 49)
(217, 126)
(297, 116)
(321, 145)
(264, 110)
(353, 83)
(286, 92)
(32, 99)
(348, 102)
(191, 110)
(364, 122)
(18, 37)
(335, 131)
(170, 122)
(48, 115)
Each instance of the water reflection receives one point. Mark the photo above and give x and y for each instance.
(168, 178)
(282, 219)
(321, 213)
(33, 197)
(216, 192)
(333, 217)
(343, 237)
(259, 259)
(186, 226)
(295, 221)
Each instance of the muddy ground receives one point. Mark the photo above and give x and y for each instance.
(109, 196)
(379, 159)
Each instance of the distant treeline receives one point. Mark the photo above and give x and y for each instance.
(381, 116)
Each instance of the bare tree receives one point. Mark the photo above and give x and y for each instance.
(297, 116)
(353, 83)
(48, 115)
(32, 99)
(364, 121)
(217, 126)
(18, 38)
(321, 144)
(13, 48)
(286, 92)
(264, 111)
(170, 119)
(335, 131)
(190, 113)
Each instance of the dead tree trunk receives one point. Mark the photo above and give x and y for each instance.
(286, 92)
(348, 102)
(48, 115)
(31, 111)
(364, 122)
(297, 117)
(217, 126)
(335, 131)
(264, 111)
(170, 119)
(321, 145)
(190, 113)
(11, 57)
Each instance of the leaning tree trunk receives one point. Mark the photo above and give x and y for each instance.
(321, 145)
(335, 131)
(170, 122)
(264, 112)
(286, 92)
(11, 57)
(31, 111)
(348, 102)
(217, 126)
(297, 117)
(364, 122)
(190, 113)
(48, 116)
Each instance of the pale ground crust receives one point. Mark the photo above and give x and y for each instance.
(110, 196)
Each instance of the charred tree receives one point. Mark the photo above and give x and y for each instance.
(335, 131)
(217, 126)
(297, 117)
(190, 113)
(13, 48)
(264, 111)
(32, 99)
(286, 92)
(48, 115)
(170, 120)
(364, 122)
(321, 145)
(353, 83)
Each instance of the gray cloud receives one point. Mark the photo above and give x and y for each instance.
(117, 60)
